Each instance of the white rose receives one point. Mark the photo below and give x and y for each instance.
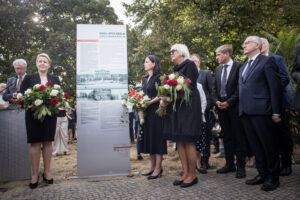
(171, 76)
(180, 80)
(38, 102)
(178, 87)
(60, 78)
(36, 86)
(54, 93)
(56, 86)
(129, 105)
(146, 98)
(166, 87)
(28, 91)
(19, 95)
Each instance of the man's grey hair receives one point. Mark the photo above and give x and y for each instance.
(197, 56)
(225, 49)
(21, 62)
(257, 40)
(182, 50)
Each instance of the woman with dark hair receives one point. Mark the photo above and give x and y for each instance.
(152, 141)
(184, 125)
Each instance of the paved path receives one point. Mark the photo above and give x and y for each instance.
(211, 186)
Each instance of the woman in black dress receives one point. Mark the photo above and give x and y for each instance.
(40, 134)
(152, 140)
(184, 124)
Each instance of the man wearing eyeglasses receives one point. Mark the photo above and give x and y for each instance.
(14, 83)
(259, 91)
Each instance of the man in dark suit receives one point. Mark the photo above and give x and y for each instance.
(206, 80)
(259, 90)
(282, 129)
(225, 97)
(14, 83)
(296, 76)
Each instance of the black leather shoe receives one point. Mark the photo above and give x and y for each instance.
(139, 157)
(148, 174)
(184, 185)
(240, 173)
(201, 170)
(50, 181)
(157, 176)
(34, 185)
(285, 171)
(270, 185)
(256, 180)
(226, 169)
(177, 182)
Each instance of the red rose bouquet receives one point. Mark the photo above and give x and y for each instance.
(138, 101)
(176, 88)
(42, 100)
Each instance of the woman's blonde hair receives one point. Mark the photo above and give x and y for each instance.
(43, 55)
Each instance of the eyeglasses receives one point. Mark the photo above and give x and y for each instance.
(248, 42)
(172, 51)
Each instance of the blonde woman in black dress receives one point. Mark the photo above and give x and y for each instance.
(40, 134)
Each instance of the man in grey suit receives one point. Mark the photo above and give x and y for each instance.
(206, 80)
(259, 97)
(14, 83)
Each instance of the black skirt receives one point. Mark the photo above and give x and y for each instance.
(38, 131)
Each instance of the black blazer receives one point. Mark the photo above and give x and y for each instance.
(206, 80)
(32, 79)
(231, 85)
(259, 93)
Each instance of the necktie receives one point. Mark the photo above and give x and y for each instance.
(244, 76)
(223, 82)
(19, 83)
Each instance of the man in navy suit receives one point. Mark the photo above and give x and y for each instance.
(14, 83)
(282, 129)
(225, 97)
(259, 91)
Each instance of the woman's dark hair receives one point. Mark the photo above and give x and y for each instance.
(155, 59)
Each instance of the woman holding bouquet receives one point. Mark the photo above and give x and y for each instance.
(184, 125)
(40, 134)
(152, 140)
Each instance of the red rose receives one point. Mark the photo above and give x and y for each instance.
(20, 102)
(131, 93)
(10, 100)
(188, 81)
(182, 90)
(166, 82)
(49, 83)
(167, 77)
(54, 101)
(42, 87)
(174, 82)
(67, 95)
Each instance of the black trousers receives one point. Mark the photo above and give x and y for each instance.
(258, 130)
(131, 118)
(284, 138)
(234, 136)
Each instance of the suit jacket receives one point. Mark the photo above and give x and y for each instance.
(206, 80)
(287, 94)
(231, 85)
(11, 88)
(259, 93)
(296, 77)
(32, 79)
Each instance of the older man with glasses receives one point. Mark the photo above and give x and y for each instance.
(259, 91)
(14, 83)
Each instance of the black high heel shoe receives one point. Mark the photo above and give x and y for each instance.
(50, 181)
(157, 176)
(34, 185)
(148, 174)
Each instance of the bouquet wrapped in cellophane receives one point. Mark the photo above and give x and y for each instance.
(137, 100)
(176, 88)
(42, 100)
